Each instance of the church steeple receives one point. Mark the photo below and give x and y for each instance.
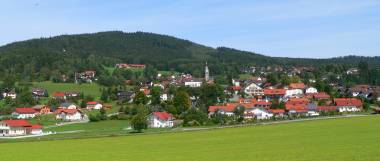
(207, 75)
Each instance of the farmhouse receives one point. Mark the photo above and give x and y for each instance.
(161, 119)
(258, 113)
(42, 109)
(18, 128)
(254, 90)
(69, 114)
(348, 104)
(10, 93)
(39, 92)
(311, 90)
(94, 105)
(24, 113)
(193, 82)
(59, 95)
(67, 105)
(225, 109)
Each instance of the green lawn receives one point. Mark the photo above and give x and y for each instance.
(345, 139)
(244, 76)
(86, 88)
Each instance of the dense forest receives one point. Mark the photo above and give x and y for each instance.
(50, 58)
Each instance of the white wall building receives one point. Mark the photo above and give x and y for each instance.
(254, 90)
(160, 119)
(69, 114)
(193, 83)
(311, 90)
(18, 128)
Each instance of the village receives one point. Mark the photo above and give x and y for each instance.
(249, 100)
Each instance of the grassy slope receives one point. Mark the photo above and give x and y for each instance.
(86, 88)
(338, 140)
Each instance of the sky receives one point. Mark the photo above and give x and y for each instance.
(283, 28)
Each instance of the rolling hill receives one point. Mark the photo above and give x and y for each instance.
(65, 54)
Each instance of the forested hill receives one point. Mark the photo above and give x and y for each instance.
(66, 54)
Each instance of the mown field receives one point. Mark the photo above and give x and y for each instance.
(87, 88)
(345, 139)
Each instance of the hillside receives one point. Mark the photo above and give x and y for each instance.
(66, 54)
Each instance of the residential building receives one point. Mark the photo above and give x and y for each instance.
(160, 120)
(24, 113)
(94, 105)
(69, 114)
(19, 128)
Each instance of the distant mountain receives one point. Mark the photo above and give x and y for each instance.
(70, 53)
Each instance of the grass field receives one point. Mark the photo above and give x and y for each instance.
(345, 139)
(87, 88)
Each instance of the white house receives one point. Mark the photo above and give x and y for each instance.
(254, 90)
(94, 105)
(18, 128)
(69, 114)
(24, 113)
(348, 104)
(311, 90)
(293, 92)
(260, 113)
(68, 106)
(10, 94)
(160, 119)
(164, 97)
(193, 83)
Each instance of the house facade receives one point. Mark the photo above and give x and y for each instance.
(94, 105)
(18, 128)
(24, 113)
(160, 120)
(69, 114)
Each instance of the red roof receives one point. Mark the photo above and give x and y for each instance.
(236, 88)
(58, 94)
(326, 108)
(17, 123)
(35, 127)
(265, 103)
(25, 110)
(274, 91)
(162, 115)
(68, 111)
(277, 111)
(92, 103)
(227, 108)
(348, 102)
(320, 95)
(297, 85)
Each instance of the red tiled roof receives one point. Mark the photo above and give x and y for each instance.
(236, 88)
(226, 108)
(58, 94)
(348, 102)
(25, 110)
(92, 103)
(263, 103)
(274, 91)
(297, 85)
(276, 111)
(68, 111)
(326, 108)
(162, 115)
(35, 127)
(17, 123)
(320, 95)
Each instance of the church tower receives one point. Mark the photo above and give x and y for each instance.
(207, 75)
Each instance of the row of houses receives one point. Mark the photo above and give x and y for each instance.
(66, 111)
(294, 106)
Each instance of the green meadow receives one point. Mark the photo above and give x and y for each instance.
(87, 88)
(344, 139)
